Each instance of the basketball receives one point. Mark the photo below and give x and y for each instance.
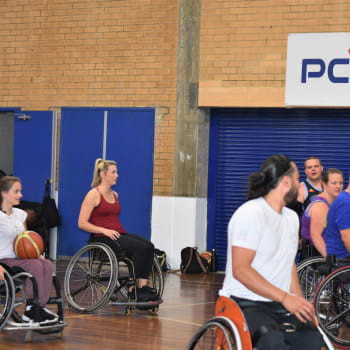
(207, 256)
(28, 245)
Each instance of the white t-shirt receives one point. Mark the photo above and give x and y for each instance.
(10, 227)
(273, 236)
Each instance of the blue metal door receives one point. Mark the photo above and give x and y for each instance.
(81, 142)
(32, 155)
(130, 141)
(122, 134)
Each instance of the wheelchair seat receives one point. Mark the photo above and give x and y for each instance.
(12, 304)
(96, 275)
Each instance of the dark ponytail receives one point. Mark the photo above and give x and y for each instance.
(271, 171)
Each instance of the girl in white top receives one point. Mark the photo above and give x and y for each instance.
(12, 222)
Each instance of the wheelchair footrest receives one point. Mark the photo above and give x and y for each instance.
(55, 328)
(149, 304)
(35, 326)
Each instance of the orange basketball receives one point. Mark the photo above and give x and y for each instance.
(28, 245)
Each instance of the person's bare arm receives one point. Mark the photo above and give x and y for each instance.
(345, 236)
(295, 285)
(244, 272)
(2, 273)
(301, 193)
(318, 217)
(90, 201)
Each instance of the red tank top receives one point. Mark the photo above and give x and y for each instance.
(107, 215)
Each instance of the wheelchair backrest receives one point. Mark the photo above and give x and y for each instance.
(229, 308)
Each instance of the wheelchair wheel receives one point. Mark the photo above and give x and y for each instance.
(219, 333)
(332, 305)
(91, 277)
(310, 276)
(156, 279)
(19, 279)
(7, 299)
(125, 269)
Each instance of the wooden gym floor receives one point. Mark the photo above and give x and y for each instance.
(189, 300)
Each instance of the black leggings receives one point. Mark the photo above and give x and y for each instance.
(138, 249)
(270, 327)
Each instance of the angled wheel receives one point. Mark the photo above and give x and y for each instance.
(332, 305)
(91, 277)
(219, 333)
(19, 279)
(310, 275)
(7, 299)
(156, 279)
(124, 293)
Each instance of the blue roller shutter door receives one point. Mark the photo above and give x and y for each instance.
(241, 139)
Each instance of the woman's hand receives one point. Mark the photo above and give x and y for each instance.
(299, 307)
(112, 234)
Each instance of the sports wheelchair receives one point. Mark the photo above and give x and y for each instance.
(12, 304)
(313, 269)
(96, 275)
(228, 330)
(332, 305)
(311, 272)
(326, 283)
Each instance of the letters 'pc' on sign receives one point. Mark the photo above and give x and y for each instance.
(318, 69)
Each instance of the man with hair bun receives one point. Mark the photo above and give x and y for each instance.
(261, 275)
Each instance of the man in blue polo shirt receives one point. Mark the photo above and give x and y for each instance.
(337, 233)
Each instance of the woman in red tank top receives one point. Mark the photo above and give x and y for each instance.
(99, 215)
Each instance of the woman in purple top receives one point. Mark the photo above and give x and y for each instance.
(314, 219)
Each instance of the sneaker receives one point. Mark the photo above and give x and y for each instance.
(46, 315)
(39, 314)
(150, 290)
(28, 315)
(144, 294)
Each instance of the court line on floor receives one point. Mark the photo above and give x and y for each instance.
(145, 315)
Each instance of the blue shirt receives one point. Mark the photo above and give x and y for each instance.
(338, 219)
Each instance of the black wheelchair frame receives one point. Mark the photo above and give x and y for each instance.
(12, 304)
(332, 306)
(96, 275)
(326, 283)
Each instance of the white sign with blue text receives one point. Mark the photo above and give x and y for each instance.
(318, 69)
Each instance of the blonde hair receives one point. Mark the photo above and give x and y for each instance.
(101, 165)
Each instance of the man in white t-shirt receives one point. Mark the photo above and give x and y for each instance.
(261, 274)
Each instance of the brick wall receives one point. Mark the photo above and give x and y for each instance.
(244, 46)
(124, 53)
(94, 53)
